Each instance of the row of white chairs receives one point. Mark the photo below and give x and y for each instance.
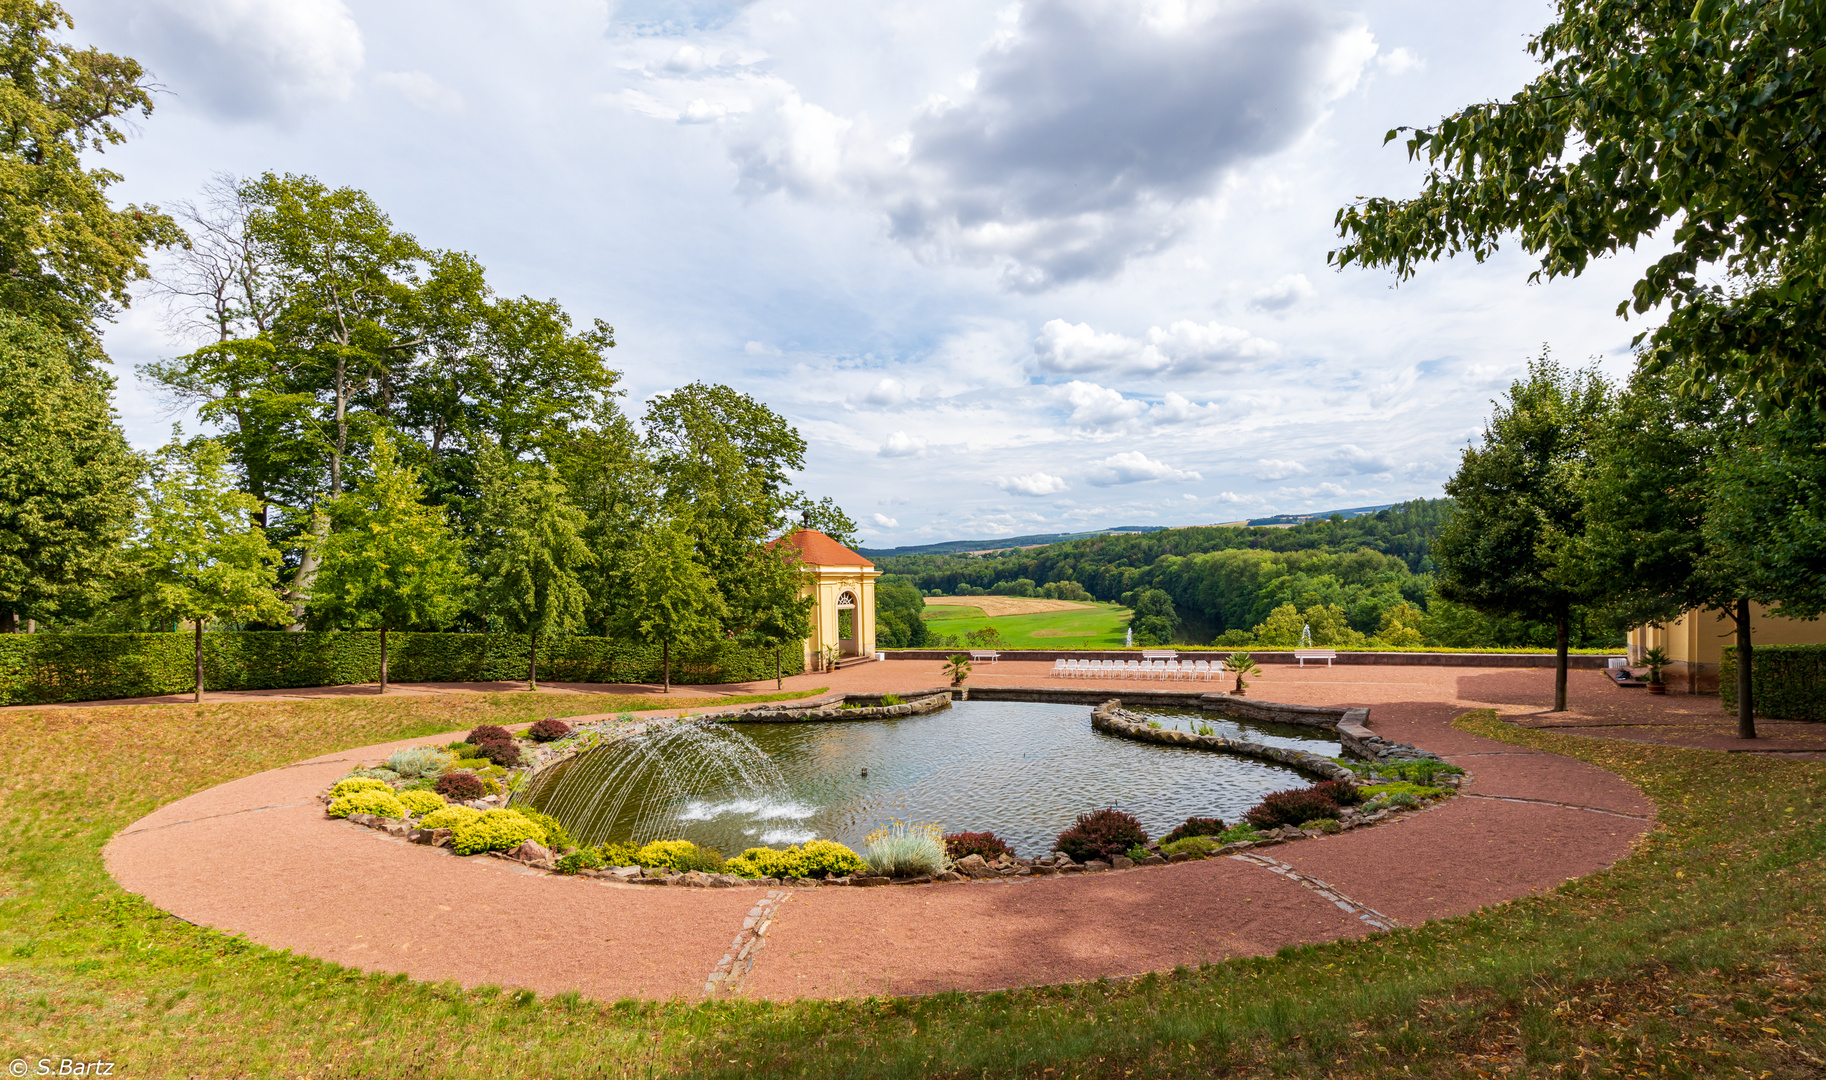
(1138, 669)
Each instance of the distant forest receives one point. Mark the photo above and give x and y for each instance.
(1373, 572)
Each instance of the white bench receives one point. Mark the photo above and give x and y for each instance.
(1327, 655)
(1159, 654)
(977, 656)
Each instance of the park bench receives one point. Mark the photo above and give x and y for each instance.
(978, 656)
(1327, 655)
(1159, 654)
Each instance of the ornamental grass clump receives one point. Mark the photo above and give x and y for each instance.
(381, 803)
(418, 761)
(357, 783)
(548, 730)
(420, 802)
(1193, 826)
(450, 817)
(962, 845)
(1293, 807)
(1102, 834)
(496, 830)
(904, 849)
(460, 786)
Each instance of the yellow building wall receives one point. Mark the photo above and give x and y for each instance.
(826, 584)
(1696, 641)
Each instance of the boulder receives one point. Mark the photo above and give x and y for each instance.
(803, 883)
(1070, 868)
(1099, 864)
(394, 827)
(1044, 869)
(531, 851)
(693, 879)
(420, 836)
(1155, 859)
(870, 880)
(441, 837)
(725, 881)
(975, 866)
(623, 872)
(949, 875)
(1180, 856)
(1122, 862)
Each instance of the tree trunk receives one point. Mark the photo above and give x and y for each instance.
(1559, 664)
(665, 666)
(199, 661)
(1746, 703)
(10, 624)
(383, 660)
(779, 684)
(308, 562)
(532, 662)
(342, 422)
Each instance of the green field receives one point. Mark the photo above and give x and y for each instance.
(1100, 626)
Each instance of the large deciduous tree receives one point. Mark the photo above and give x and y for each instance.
(672, 597)
(1698, 121)
(533, 552)
(390, 561)
(67, 475)
(200, 557)
(1513, 543)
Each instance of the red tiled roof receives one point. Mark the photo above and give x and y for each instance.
(817, 549)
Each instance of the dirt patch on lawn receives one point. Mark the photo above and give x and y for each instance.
(996, 606)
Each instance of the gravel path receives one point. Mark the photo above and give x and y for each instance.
(257, 856)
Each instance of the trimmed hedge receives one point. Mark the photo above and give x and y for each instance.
(42, 669)
(1787, 682)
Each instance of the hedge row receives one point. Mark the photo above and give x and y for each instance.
(1787, 682)
(41, 669)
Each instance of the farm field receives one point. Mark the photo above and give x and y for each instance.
(1081, 626)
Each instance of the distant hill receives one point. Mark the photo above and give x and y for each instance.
(1006, 543)
(1295, 519)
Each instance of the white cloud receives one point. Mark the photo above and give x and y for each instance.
(1134, 467)
(1283, 294)
(755, 348)
(244, 59)
(1358, 460)
(900, 445)
(884, 521)
(1034, 484)
(421, 90)
(1399, 60)
(1096, 406)
(1064, 348)
(1277, 469)
(888, 393)
(1177, 409)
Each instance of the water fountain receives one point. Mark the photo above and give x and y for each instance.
(641, 787)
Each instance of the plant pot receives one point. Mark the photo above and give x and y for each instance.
(1657, 688)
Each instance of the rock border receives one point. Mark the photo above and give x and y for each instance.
(1111, 718)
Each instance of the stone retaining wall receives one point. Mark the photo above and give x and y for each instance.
(1112, 719)
(932, 702)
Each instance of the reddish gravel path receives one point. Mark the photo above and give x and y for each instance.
(257, 856)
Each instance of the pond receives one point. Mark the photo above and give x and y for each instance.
(1021, 770)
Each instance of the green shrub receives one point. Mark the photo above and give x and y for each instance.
(814, 858)
(890, 699)
(581, 859)
(1324, 825)
(357, 783)
(450, 817)
(1137, 853)
(1787, 682)
(1402, 787)
(560, 837)
(461, 749)
(680, 855)
(496, 830)
(618, 854)
(382, 803)
(1199, 846)
(418, 761)
(1238, 833)
(420, 802)
(474, 764)
(902, 849)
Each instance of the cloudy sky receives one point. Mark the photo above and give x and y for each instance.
(1053, 265)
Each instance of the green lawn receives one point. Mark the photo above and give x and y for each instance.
(1097, 627)
(1701, 954)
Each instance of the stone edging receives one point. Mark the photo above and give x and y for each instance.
(1111, 718)
(846, 709)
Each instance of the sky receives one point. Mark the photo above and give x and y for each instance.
(1048, 266)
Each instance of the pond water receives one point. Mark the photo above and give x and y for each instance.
(1021, 770)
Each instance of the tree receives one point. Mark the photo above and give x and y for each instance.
(1650, 491)
(828, 518)
(671, 596)
(1512, 544)
(1154, 620)
(532, 552)
(67, 475)
(1765, 528)
(67, 258)
(770, 602)
(1704, 115)
(391, 561)
(199, 556)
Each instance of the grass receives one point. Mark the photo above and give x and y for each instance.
(1099, 626)
(1698, 955)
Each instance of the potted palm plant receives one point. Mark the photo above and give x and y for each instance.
(1241, 664)
(958, 667)
(1655, 659)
